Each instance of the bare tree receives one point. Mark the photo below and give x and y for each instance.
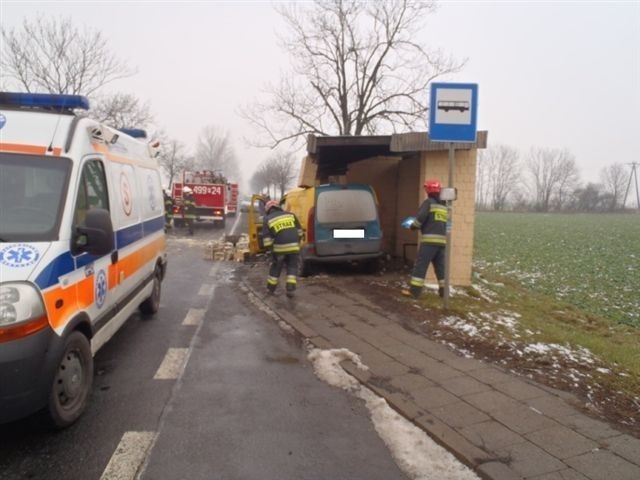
(504, 174)
(568, 178)
(173, 159)
(614, 179)
(122, 110)
(356, 70)
(589, 198)
(553, 172)
(283, 170)
(214, 151)
(482, 179)
(52, 55)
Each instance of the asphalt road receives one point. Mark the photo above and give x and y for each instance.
(209, 388)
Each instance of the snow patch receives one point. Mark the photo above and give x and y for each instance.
(417, 455)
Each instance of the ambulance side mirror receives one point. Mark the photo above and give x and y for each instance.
(96, 235)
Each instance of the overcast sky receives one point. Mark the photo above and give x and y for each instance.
(552, 74)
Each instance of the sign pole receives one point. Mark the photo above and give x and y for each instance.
(447, 261)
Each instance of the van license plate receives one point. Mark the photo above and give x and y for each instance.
(348, 233)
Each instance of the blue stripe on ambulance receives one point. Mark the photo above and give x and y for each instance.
(64, 263)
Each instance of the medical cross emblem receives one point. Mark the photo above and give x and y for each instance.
(101, 288)
(20, 255)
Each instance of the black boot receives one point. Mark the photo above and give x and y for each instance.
(290, 290)
(441, 291)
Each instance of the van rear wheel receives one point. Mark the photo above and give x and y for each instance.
(305, 268)
(71, 383)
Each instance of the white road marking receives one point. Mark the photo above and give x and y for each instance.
(235, 224)
(176, 387)
(173, 364)
(206, 289)
(129, 456)
(194, 316)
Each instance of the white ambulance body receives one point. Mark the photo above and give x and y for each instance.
(82, 246)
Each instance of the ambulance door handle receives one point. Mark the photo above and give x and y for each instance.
(114, 257)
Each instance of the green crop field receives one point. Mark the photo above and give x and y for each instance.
(589, 260)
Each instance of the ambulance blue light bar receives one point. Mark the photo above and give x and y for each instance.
(134, 132)
(44, 100)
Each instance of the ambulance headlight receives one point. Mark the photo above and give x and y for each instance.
(19, 302)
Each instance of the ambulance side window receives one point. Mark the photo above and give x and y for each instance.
(92, 192)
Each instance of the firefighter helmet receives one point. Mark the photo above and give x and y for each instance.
(187, 190)
(432, 186)
(270, 204)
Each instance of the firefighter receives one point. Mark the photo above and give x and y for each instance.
(168, 209)
(281, 233)
(431, 220)
(188, 208)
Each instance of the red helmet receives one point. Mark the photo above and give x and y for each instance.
(270, 204)
(432, 186)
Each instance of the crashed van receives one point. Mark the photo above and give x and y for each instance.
(341, 224)
(82, 247)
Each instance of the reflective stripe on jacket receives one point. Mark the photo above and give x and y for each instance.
(282, 231)
(432, 222)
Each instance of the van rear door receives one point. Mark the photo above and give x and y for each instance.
(346, 221)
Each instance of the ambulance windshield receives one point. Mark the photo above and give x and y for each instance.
(32, 194)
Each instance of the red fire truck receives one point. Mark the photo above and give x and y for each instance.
(209, 193)
(232, 199)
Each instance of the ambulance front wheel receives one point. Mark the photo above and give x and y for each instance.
(152, 304)
(72, 382)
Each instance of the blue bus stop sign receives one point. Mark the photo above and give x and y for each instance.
(453, 112)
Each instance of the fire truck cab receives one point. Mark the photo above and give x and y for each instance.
(209, 193)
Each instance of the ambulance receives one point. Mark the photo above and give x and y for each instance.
(82, 247)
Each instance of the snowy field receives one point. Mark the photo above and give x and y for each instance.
(589, 260)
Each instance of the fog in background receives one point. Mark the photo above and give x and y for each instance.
(550, 74)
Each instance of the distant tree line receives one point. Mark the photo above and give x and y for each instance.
(545, 180)
(274, 175)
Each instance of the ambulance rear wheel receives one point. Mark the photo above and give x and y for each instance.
(72, 382)
(152, 304)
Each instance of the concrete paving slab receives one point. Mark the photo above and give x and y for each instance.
(491, 401)
(464, 385)
(603, 465)
(433, 369)
(529, 460)
(453, 441)
(520, 389)
(589, 427)
(498, 471)
(523, 420)
(626, 446)
(411, 382)
(568, 474)
(459, 414)
(491, 375)
(463, 364)
(387, 369)
(431, 397)
(551, 406)
(562, 442)
(490, 435)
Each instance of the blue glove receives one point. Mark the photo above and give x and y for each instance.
(407, 222)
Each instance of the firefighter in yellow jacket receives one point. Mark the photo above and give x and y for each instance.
(281, 233)
(431, 220)
(189, 208)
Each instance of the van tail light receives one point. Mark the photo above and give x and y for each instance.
(311, 229)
